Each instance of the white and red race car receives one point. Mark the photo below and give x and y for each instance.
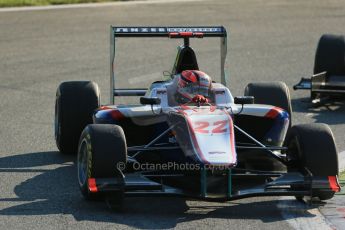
(216, 147)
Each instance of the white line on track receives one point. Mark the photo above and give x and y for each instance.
(89, 5)
(301, 216)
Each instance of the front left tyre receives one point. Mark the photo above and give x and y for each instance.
(102, 152)
(74, 106)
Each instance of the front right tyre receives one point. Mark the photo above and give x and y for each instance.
(312, 146)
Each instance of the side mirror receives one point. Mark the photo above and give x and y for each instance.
(167, 74)
(150, 100)
(244, 100)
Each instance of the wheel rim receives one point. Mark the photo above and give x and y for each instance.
(82, 163)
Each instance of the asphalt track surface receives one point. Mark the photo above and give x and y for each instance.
(268, 41)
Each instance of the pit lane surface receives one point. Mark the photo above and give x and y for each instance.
(268, 41)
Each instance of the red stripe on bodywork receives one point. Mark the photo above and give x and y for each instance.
(104, 108)
(92, 185)
(117, 115)
(273, 113)
(333, 183)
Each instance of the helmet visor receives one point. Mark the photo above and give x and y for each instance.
(196, 89)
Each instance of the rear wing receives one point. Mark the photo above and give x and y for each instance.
(185, 32)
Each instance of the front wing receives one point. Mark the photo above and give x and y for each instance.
(277, 184)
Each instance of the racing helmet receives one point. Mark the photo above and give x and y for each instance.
(191, 83)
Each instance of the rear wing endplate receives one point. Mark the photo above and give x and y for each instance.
(169, 32)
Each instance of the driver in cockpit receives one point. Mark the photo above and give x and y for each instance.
(193, 86)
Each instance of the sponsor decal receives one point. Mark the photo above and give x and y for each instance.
(140, 30)
(216, 152)
(205, 30)
(167, 29)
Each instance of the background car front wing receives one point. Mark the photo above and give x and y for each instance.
(322, 86)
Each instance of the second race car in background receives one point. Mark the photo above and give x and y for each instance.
(328, 81)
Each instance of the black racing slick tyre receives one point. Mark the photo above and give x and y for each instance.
(330, 55)
(312, 146)
(74, 106)
(102, 152)
(270, 93)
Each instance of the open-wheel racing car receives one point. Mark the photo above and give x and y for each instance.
(190, 137)
(328, 82)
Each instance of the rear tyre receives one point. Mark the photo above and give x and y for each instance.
(312, 146)
(102, 148)
(74, 106)
(330, 55)
(270, 93)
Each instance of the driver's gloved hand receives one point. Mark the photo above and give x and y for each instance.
(199, 99)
